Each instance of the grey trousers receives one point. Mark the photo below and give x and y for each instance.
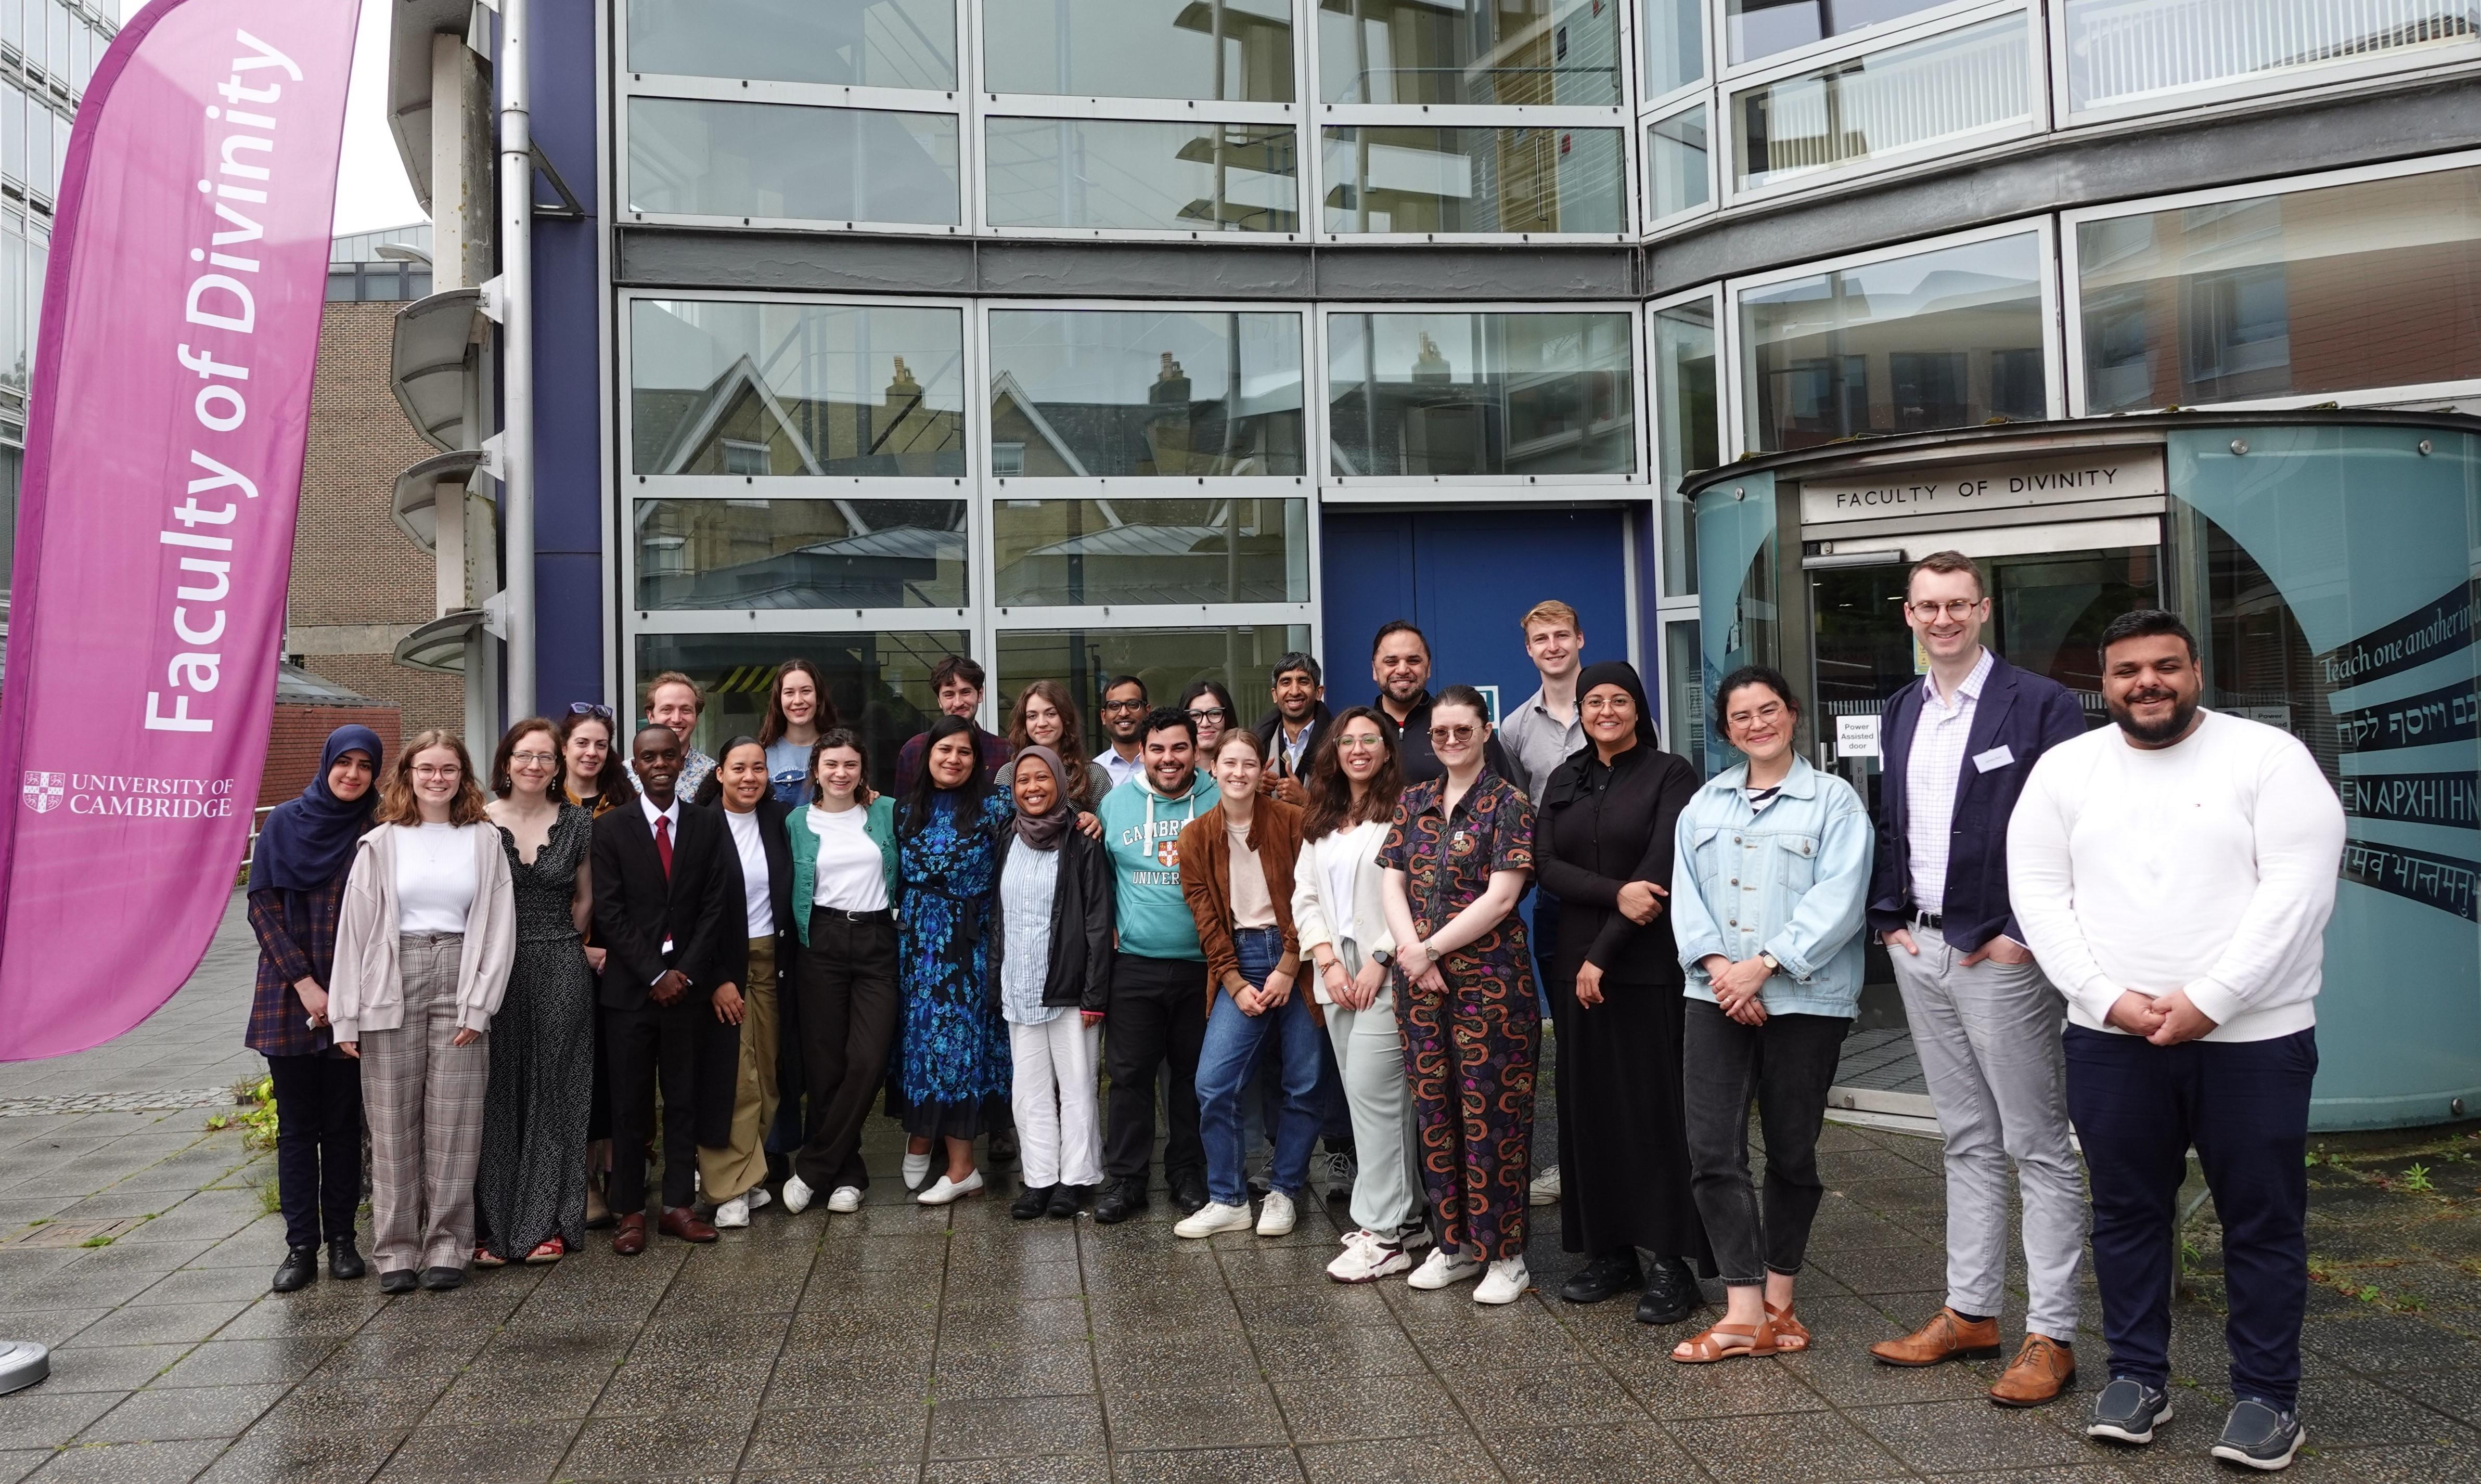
(422, 1100)
(1988, 1042)
(1370, 1053)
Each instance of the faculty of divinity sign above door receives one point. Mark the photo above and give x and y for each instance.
(2114, 474)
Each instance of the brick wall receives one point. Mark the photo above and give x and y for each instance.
(301, 734)
(352, 568)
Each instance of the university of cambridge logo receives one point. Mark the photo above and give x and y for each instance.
(43, 791)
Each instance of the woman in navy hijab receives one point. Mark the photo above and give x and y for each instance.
(297, 886)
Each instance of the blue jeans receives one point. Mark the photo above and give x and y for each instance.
(1224, 1072)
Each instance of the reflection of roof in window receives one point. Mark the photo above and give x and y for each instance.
(1137, 541)
(913, 541)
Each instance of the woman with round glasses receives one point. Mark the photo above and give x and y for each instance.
(1458, 856)
(1209, 706)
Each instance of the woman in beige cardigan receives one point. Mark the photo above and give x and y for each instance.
(423, 950)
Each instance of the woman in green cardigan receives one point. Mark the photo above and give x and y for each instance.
(844, 905)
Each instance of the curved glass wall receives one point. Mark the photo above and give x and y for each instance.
(857, 43)
(1443, 396)
(1910, 99)
(2133, 52)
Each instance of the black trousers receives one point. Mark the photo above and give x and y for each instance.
(645, 1045)
(1155, 1024)
(846, 988)
(318, 1145)
(1787, 1065)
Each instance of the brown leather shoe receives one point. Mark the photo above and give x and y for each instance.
(2041, 1371)
(631, 1238)
(681, 1222)
(1946, 1338)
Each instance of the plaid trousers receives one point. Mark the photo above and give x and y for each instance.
(422, 1100)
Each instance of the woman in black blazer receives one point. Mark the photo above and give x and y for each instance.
(733, 1177)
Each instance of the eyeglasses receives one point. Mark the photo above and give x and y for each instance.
(1770, 713)
(1599, 703)
(1452, 734)
(1124, 705)
(1952, 608)
(590, 708)
(437, 770)
(1360, 741)
(546, 759)
(1207, 714)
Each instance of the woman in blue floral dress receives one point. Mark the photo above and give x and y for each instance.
(953, 1058)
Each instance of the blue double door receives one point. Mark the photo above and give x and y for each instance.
(1467, 577)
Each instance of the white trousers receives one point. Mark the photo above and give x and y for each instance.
(1059, 1129)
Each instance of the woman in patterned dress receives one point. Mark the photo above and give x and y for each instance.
(530, 1187)
(1459, 857)
(954, 1055)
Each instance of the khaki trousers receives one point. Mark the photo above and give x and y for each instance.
(735, 1170)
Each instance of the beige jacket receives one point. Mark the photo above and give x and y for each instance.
(364, 992)
(1351, 918)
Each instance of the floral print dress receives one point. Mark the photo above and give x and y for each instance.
(954, 1059)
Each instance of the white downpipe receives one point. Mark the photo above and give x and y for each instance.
(517, 359)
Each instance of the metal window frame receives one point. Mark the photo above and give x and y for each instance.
(1648, 101)
(967, 205)
(2043, 228)
(1573, 121)
(1726, 74)
(1646, 124)
(2070, 255)
(2325, 77)
(1667, 602)
(993, 107)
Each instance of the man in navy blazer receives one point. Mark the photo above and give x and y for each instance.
(1956, 749)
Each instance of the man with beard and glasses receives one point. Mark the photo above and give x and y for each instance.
(2174, 874)
(1399, 661)
(1124, 727)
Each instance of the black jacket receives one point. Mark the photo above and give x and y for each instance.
(1081, 923)
(771, 814)
(1270, 726)
(1414, 756)
(1589, 842)
(700, 908)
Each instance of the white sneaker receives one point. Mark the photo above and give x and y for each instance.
(1504, 1284)
(1275, 1215)
(943, 1190)
(1367, 1257)
(757, 1197)
(1212, 1217)
(734, 1212)
(797, 1194)
(1545, 1190)
(1443, 1268)
(846, 1200)
(916, 1169)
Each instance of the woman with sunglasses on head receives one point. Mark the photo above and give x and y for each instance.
(799, 712)
(297, 889)
(1458, 856)
(530, 1186)
(590, 779)
(1209, 706)
(1770, 884)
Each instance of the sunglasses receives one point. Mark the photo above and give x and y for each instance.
(590, 708)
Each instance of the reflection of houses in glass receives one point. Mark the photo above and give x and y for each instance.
(800, 554)
(740, 424)
(1168, 433)
(1507, 416)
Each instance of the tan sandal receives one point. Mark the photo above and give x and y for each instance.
(1725, 1342)
(1792, 1337)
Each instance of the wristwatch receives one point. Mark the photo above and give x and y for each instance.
(1773, 964)
(1383, 958)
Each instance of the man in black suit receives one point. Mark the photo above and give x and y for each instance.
(668, 908)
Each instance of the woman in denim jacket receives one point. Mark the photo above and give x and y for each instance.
(1770, 876)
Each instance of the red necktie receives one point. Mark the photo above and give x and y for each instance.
(663, 844)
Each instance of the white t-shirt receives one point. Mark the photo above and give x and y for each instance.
(747, 839)
(852, 874)
(434, 878)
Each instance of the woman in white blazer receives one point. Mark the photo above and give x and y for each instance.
(1339, 912)
(423, 949)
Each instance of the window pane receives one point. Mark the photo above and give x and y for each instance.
(1058, 551)
(1225, 50)
(1761, 28)
(1081, 393)
(2123, 53)
(1688, 431)
(864, 44)
(1166, 660)
(778, 554)
(1441, 395)
(1684, 677)
(13, 132)
(1475, 180)
(39, 170)
(815, 164)
(1675, 162)
(881, 683)
(13, 23)
(1675, 44)
(344, 283)
(720, 387)
(1479, 51)
(1136, 175)
(1944, 339)
(60, 151)
(2367, 285)
(16, 332)
(1907, 98)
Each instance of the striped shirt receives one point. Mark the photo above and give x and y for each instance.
(1932, 774)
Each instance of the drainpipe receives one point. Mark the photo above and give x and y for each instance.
(517, 331)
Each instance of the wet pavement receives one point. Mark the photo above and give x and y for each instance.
(904, 1344)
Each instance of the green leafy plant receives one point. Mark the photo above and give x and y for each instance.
(254, 1114)
(2417, 1177)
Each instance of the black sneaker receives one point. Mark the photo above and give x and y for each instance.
(2257, 1436)
(2127, 1411)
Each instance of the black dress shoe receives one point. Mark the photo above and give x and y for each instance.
(1671, 1293)
(300, 1266)
(439, 1279)
(399, 1280)
(1065, 1201)
(1120, 1200)
(1603, 1278)
(345, 1260)
(1031, 1203)
(1189, 1194)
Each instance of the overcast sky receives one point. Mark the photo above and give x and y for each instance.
(370, 188)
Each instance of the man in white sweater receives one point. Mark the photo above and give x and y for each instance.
(2174, 874)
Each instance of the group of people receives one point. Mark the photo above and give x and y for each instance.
(1309, 930)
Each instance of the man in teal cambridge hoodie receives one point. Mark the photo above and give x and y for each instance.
(1158, 1002)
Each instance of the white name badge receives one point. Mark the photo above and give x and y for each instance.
(1996, 756)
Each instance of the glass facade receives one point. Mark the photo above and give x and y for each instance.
(1141, 174)
(2134, 52)
(776, 555)
(1443, 396)
(1677, 165)
(1910, 99)
(1068, 553)
(1469, 51)
(766, 161)
(1475, 180)
(1227, 50)
(1687, 428)
(879, 682)
(1163, 393)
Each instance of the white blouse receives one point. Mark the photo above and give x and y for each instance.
(852, 873)
(434, 876)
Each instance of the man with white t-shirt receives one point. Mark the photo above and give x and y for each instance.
(2174, 874)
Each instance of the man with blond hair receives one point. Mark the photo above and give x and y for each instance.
(1540, 733)
(674, 701)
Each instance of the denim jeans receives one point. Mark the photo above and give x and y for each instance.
(1224, 1073)
(1787, 1065)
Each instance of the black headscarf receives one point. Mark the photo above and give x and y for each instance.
(306, 842)
(1568, 780)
